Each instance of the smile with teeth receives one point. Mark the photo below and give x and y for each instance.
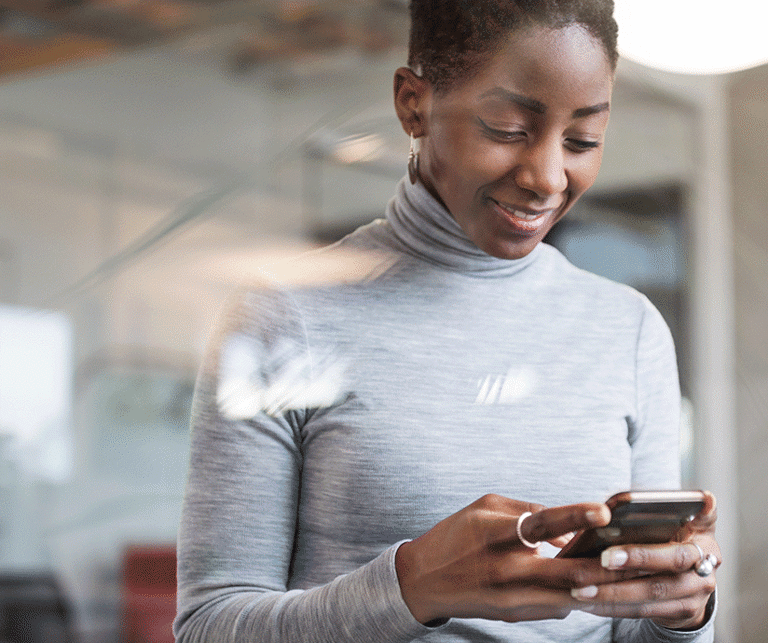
(526, 215)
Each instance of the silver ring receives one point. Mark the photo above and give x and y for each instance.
(706, 564)
(519, 530)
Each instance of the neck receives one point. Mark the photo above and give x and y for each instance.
(427, 230)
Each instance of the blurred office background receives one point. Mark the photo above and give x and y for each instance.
(154, 153)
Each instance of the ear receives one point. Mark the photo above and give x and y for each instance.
(411, 99)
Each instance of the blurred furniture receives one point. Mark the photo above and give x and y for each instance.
(149, 594)
(33, 609)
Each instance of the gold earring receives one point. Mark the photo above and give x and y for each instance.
(413, 162)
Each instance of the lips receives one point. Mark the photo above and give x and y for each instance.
(525, 214)
(522, 221)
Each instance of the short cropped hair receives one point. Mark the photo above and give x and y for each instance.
(450, 39)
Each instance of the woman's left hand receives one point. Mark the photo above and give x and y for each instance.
(670, 592)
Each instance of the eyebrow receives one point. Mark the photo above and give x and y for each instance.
(537, 107)
(581, 112)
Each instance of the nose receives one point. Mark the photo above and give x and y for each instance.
(541, 169)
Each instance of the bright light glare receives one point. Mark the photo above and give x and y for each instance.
(359, 149)
(35, 388)
(693, 36)
(295, 264)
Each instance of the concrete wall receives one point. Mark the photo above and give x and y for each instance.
(749, 128)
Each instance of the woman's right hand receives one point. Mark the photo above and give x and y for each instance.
(472, 564)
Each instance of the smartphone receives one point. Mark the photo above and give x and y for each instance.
(637, 517)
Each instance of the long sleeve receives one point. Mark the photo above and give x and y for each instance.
(654, 438)
(240, 511)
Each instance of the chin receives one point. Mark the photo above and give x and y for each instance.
(502, 250)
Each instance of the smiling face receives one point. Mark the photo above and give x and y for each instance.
(511, 149)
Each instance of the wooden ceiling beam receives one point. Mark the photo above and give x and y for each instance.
(21, 56)
(41, 34)
(127, 23)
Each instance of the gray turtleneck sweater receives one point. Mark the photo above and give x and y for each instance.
(335, 419)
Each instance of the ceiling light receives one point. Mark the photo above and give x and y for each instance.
(693, 36)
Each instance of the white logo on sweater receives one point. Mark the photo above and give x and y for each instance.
(506, 389)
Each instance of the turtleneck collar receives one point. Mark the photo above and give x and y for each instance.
(429, 231)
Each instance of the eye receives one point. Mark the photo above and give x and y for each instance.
(579, 145)
(500, 134)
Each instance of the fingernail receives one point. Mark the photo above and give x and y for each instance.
(593, 516)
(613, 558)
(590, 591)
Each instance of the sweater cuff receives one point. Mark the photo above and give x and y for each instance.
(374, 591)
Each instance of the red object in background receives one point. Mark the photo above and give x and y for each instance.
(149, 594)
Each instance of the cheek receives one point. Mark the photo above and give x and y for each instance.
(468, 164)
(446, 168)
(454, 152)
(581, 178)
(587, 173)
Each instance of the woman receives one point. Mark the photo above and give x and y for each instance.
(365, 455)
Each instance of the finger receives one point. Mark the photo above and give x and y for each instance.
(681, 613)
(509, 569)
(495, 517)
(688, 613)
(562, 541)
(535, 603)
(640, 593)
(705, 520)
(565, 573)
(552, 523)
(669, 557)
(674, 613)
